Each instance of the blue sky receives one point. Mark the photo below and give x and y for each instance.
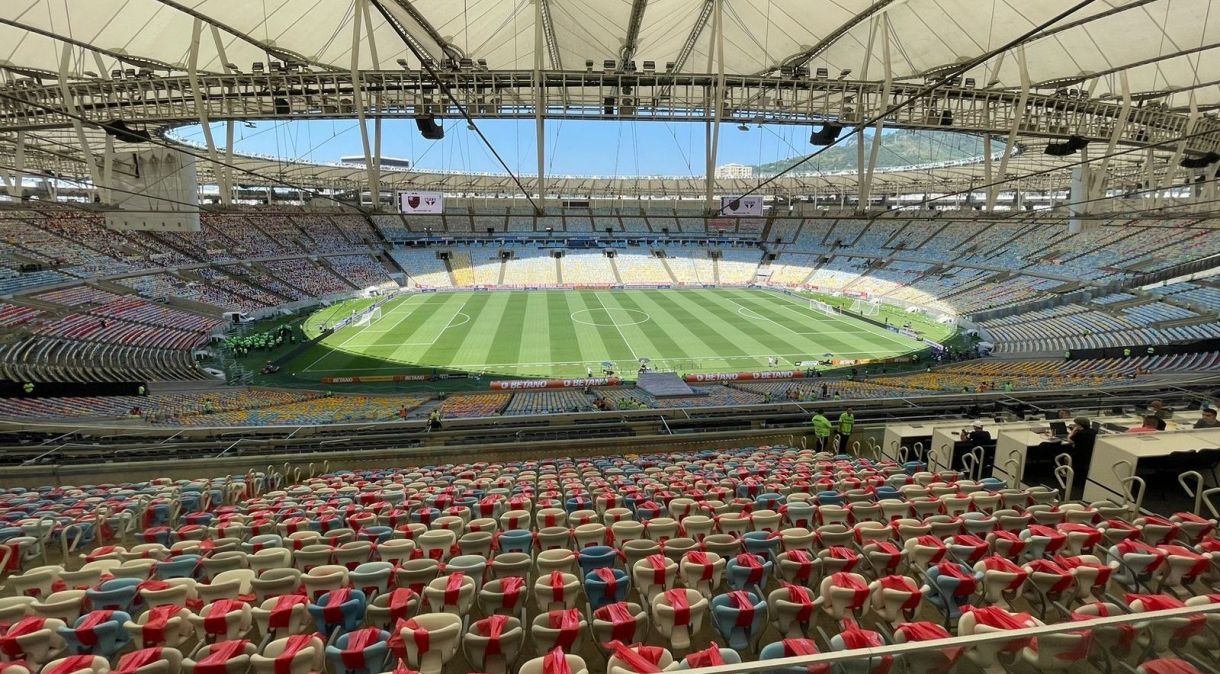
(574, 147)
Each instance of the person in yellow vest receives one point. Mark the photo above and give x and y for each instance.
(821, 431)
(847, 421)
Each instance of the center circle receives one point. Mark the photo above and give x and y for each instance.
(615, 317)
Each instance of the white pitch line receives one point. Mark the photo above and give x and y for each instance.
(760, 316)
(634, 356)
(869, 327)
(470, 366)
(309, 368)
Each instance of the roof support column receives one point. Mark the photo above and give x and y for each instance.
(1120, 125)
(65, 62)
(226, 182)
(717, 94)
(1171, 171)
(224, 174)
(988, 174)
(1149, 174)
(108, 167)
(375, 103)
(539, 102)
(1018, 117)
(14, 180)
(201, 109)
(866, 185)
(868, 59)
(1208, 194)
(370, 168)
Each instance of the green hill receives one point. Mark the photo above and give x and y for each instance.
(898, 148)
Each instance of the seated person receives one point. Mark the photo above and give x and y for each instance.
(1150, 425)
(1081, 439)
(976, 434)
(1157, 409)
(1207, 419)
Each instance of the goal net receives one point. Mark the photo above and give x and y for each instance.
(369, 317)
(818, 305)
(866, 308)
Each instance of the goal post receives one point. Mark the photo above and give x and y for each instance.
(866, 307)
(369, 317)
(818, 305)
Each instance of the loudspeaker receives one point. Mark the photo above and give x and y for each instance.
(1200, 162)
(119, 129)
(826, 135)
(1068, 147)
(429, 129)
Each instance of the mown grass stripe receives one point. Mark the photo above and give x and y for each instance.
(639, 328)
(719, 344)
(535, 339)
(668, 338)
(760, 338)
(821, 340)
(563, 344)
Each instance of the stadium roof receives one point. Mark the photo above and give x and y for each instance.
(1122, 73)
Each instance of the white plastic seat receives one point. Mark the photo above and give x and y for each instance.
(679, 614)
(283, 615)
(493, 644)
(557, 591)
(555, 662)
(563, 629)
(452, 593)
(437, 642)
(296, 654)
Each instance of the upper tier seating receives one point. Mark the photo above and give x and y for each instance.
(587, 268)
(423, 267)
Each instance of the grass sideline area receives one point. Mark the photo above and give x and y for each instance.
(562, 333)
(924, 324)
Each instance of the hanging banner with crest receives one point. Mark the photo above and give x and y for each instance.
(421, 203)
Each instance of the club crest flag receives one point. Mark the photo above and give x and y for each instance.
(737, 207)
(414, 203)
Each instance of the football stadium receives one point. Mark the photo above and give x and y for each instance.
(621, 337)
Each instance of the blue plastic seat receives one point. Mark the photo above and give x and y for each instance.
(363, 651)
(343, 608)
(761, 543)
(952, 585)
(746, 571)
(114, 595)
(98, 632)
(606, 586)
(596, 557)
(182, 566)
(516, 540)
(740, 617)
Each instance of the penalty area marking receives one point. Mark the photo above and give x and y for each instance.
(613, 323)
(442, 331)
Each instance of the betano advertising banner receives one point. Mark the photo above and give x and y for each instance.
(744, 376)
(524, 384)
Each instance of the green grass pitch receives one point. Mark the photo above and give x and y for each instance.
(558, 333)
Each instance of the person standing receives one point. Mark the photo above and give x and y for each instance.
(847, 422)
(821, 430)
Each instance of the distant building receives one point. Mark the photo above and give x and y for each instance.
(734, 171)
